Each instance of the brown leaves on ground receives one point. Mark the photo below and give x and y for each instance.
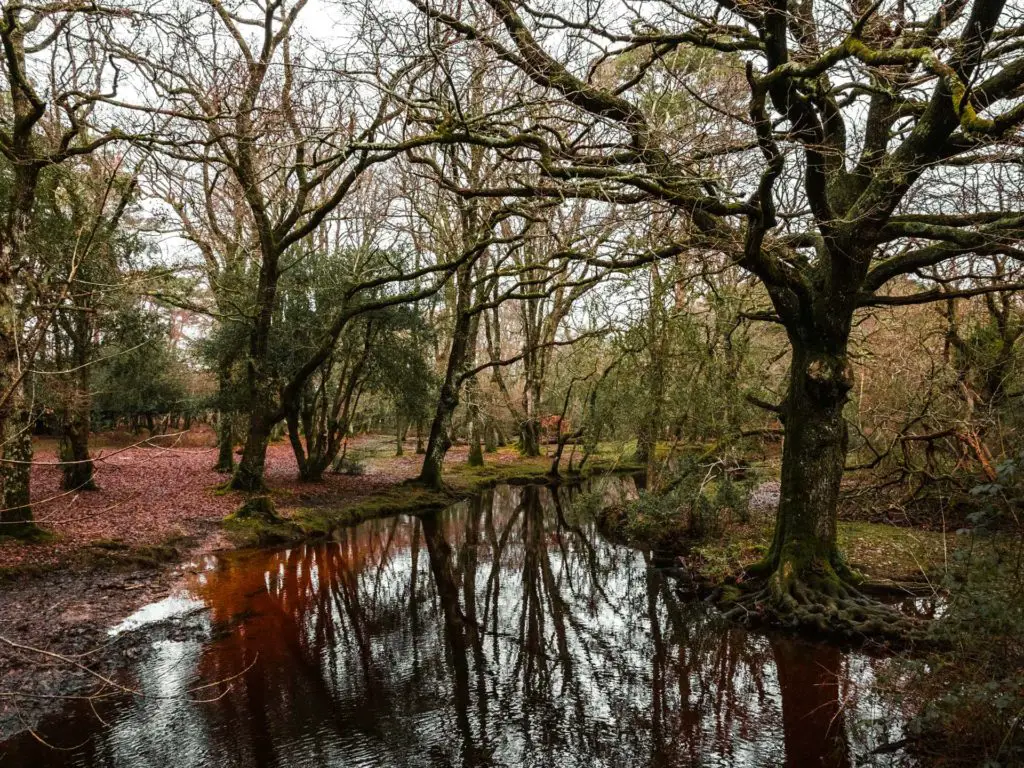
(149, 494)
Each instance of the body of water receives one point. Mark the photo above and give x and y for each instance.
(504, 631)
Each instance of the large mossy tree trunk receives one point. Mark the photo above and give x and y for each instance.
(263, 411)
(463, 337)
(814, 453)
(440, 435)
(803, 581)
(15, 417)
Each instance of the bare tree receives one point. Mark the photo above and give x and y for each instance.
(294, 130)
(852, 115)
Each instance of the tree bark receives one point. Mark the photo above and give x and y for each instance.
(529, 430)
(15, 419)
(225, 443)
(476, 451)
(420, 447)
(225, 423)
(401, 427)
(74, 449)
(448, 399)
(808, 584)
(295, 438)
(76, 423)
(16, 513)
(440, 435)
(490, 437)
(249, 473)
(813, 457)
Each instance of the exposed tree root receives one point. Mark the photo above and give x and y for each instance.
(819, 597)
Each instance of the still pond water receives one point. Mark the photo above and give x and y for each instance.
(501, 632)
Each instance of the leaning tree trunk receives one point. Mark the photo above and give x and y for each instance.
(262, 396)
(295, 438)
(440, 436)
(448, 399)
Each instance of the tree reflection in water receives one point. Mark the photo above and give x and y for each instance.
(499, 632)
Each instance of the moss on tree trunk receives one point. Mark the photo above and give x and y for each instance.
(260, 508)
(225, 443)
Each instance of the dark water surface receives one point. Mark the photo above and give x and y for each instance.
(501, 632)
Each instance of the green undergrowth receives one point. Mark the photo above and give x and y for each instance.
(967, 698)
(718, 538)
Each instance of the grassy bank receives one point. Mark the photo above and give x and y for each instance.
(877, 550)
(461, 482)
